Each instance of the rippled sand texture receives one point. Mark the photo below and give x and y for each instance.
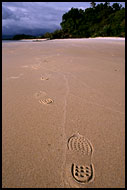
(63, 114)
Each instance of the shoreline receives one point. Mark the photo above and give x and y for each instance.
(41, 40)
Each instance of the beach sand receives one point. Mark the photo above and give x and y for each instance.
(63, 114)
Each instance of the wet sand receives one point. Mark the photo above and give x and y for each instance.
(63, 114)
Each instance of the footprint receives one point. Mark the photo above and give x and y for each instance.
(43, 98)
(46, 101)
(82, 173)
(79, 167)
(44, 78)
(80, 144)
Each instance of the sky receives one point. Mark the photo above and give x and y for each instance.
(36, 18)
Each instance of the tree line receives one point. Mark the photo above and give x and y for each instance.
(98, 20)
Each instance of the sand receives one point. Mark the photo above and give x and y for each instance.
(63, 114)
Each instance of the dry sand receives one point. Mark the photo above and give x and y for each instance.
(63, 114)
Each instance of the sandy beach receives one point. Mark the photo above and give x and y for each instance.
(63, 114)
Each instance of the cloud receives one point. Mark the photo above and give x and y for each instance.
(6, 13)
(26, 16)
(31, 17)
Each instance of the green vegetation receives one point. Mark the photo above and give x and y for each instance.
(22, 36)
(54, 35)
(101, 20)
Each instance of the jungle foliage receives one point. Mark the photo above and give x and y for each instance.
(98, 20)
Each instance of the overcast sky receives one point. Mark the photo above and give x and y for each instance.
(34, 17)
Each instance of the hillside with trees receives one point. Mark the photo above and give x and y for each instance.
(22, 36)
(98, 20)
